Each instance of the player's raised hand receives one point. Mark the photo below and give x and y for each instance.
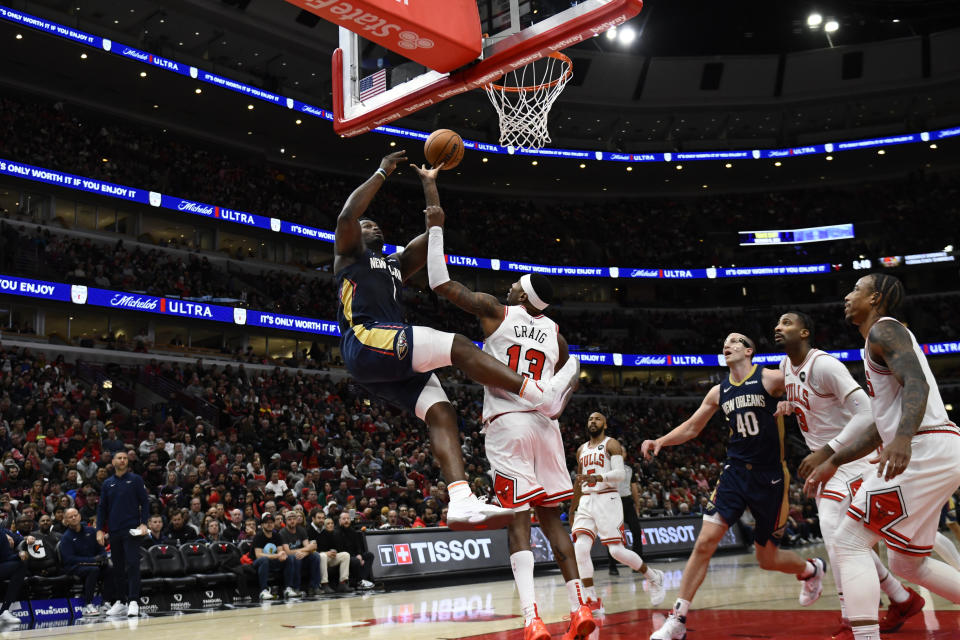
(819, 477)
(427, 173)
(784, 408)
(391, 161)
(894, 458)
(650, 448)
(434, 215)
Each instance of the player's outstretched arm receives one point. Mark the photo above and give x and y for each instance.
(347, 238)
(689, 428)
(483, 305)
(414, 256)
(890, 342)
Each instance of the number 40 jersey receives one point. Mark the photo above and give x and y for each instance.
(756, 436)
(527, 344)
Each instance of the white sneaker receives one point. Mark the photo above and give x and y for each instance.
(91, 611)
(8, 618)
(133, 609)
(118, 609)
(475, 513)
(266, 595)
(672, 629)
(658, 591)
(558, 390)
(813, 586)
(290, 592)
(366, 584)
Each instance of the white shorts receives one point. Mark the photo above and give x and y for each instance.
(905, 511)
(526, 455)
(600, 514)
(846, 482)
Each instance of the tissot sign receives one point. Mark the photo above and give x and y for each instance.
(403, 553)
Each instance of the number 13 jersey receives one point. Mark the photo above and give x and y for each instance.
(756, 436)
(527, 344)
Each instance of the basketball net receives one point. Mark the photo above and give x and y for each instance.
(523, 99)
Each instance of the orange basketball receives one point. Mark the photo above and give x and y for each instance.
(444, 146)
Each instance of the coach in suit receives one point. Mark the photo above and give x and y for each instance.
(123, 512)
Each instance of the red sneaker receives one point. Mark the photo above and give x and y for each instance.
(897, 613)
(596, 608)
(842, 632)
(536, 630)
(582, 624)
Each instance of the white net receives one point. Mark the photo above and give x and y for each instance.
(523, 99)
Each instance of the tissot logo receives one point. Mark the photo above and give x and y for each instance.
(437, 552)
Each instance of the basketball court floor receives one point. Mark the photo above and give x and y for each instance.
(737, 600)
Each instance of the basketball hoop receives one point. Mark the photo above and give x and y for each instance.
(524, 97)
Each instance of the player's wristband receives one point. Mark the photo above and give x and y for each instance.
(437, 273)
(381, 172)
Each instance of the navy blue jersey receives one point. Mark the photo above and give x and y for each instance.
(370, 292)
(756, 436)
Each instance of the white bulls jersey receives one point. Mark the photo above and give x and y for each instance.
(817, 389)
(595, 460)
(527, 344)
(886, 391)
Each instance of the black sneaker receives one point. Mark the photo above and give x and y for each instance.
(313, 591)
(613, 570)
(325, 588)
(343, 587)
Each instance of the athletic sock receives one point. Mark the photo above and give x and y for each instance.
(459, 491)
(575, 593)
(681, 608)
(809, 569)
(888, 583)
(591, 593)
(522, 564)
(867, 632)
(843, 607)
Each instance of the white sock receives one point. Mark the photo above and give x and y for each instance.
(531, 391)
(843, 607)
(867, 632)
(522, 564)
(591, 593)
(947, 550)
(459, 491)
(888, 583)
(575, 593)
(809, 569)
(681, 607)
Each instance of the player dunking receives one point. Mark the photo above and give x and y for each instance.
(754, 475)
(394, 360)
(596, 510)
(831, 410)
(524, 447)
(917, 469)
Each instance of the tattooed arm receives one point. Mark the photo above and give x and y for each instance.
(890, 343)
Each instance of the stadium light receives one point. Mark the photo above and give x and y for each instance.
(831, 26)
(612, 33)
(627, 35)
(814, 20)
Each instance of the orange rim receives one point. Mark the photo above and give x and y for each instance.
(546, 85)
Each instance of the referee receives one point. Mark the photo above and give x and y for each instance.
(122, 514)
(629, 492)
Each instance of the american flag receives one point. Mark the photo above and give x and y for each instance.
(373, 84)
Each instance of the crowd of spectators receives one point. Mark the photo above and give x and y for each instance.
(701, 230)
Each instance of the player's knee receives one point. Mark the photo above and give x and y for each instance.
(766, 560)
(908, 567)
(432, 349)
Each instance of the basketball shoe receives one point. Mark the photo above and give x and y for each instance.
(536, 630)
(673, 629)
(559, 388)
(813, 585)
(582, 624)
(842, 632)
(898, 612)
(658, 590)
(474, 514)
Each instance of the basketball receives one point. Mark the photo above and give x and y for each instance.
(444, 146)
